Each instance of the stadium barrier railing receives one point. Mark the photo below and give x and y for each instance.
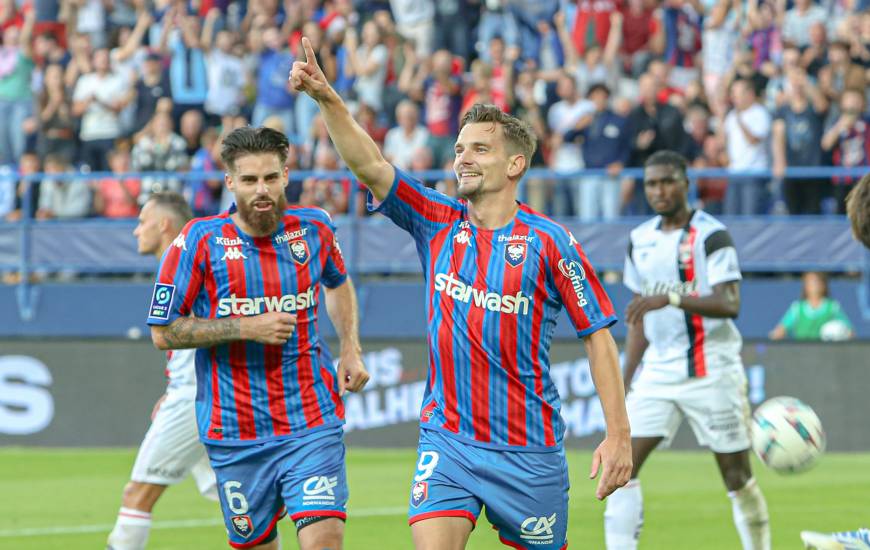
(25, 225)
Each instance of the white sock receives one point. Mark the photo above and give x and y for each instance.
(623, 517)
(750, 516)
(131, 530)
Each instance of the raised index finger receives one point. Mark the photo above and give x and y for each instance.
(309, 52)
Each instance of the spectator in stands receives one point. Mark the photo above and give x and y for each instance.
(318, 139)
(654, 125)
(849, 139)
(160, 150)
(150, 88)
(564, 118)
(527, 14)
(441, 93)
(81, 58)
(56, 135)
(719, 39)
(127, 54)
(641, 38)
(402, 141)
(368, 119)
(805, 318)
(711, 191)
(367, 62)
(90, 18)
(797, 135)
(99, 98)
(815, 56)
(763, 27)
(47, 50)
(681, 24)
(415, 21)
(592, 24)
(840, 74)
(747, 131)
(502, 61)
(204, 195)
(453, 20)
(190, 128)
(117, 197)
(273, 93)
(597, 65)
(14, 210)
(62, 197)
(16, 98)
(323, 192)
(481, 90)
(697, 131)
(798, 20)
(187, 74)
(225, 70)
(606, 145)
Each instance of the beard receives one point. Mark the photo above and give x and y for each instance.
(263, 222)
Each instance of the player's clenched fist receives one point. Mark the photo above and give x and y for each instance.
(306, 76)
(352, 373)
(273, 328)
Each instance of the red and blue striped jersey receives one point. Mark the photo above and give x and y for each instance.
(493, 298)
(246, 391)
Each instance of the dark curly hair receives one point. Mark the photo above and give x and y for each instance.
(248, 140)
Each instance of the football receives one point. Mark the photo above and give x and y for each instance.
(787, 435)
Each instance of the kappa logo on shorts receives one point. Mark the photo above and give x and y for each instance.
(538, 530)
(419, 493)
(242, 525)
(319, 490)
(161, 301)
(515, 254)
(299, 251)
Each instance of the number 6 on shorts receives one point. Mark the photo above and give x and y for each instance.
(234, 497)
(426, 465)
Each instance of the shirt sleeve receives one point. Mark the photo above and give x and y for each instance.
(334, 271)
(757, 121)
(180, 277)
(722, 264)
(577, 286)
(790, 316)
(630, 276)
(415, 208)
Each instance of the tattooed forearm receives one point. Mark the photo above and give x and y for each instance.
(190, 332)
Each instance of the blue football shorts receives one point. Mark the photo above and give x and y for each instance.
(301, 476)
(525, 493)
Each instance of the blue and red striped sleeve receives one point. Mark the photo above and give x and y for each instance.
(334, 272)
(180, 277)
(574, 280)
(417, 209)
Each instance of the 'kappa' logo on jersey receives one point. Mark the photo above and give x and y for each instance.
(242, 525)
(419, 493)
(538, 530)
(179, 242)
(515, 254)
(319, 490)
(300, 252)
(161, 300)
(233, 253)
(463, 237)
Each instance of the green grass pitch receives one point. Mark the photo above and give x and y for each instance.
(67, 499)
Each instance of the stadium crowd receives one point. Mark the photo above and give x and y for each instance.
(136, 86)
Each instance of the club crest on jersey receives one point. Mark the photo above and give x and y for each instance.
(242, 525)
(515, 254)
(419, 493)
(299, 251)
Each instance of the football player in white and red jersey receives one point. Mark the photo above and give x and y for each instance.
(682, 268)
(171, 449)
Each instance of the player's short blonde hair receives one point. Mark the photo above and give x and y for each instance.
(858, 209)
(518, 133)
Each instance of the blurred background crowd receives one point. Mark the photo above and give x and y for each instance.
(118, 86)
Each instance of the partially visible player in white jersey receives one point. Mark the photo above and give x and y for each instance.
(171, 449)
(858, 210)
(682, 268)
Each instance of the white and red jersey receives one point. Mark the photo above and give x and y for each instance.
(181, 371)
(689, 261)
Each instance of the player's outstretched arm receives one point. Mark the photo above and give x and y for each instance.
(613, 456)
(356, 147)
(273, 328)
(341, 305)
(635, 346)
